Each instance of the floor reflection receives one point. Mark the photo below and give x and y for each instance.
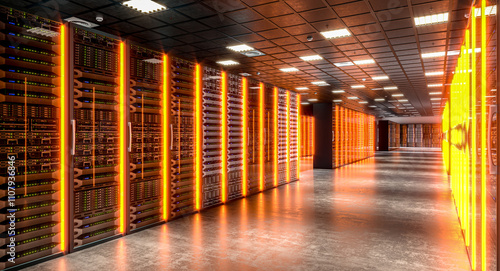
(391, 212)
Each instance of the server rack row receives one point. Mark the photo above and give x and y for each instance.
(353, 135)
(307, 135)
(418, 135)
(101, 137)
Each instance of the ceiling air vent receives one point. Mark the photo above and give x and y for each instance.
(81, 22)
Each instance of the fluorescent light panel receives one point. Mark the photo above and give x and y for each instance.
(434, 93)
(357, 86)
(343, 64)
(398, 95)
(144, 6)
(337, 101)
(489, 11)
(289, 70)
(379, 100)
(377, 78)
(364, 62)
(240, 48)
(434, 85)
(431, 19)
(391, 88)
(434, 54)
(320, 83)
(302, 88)
(227, 62)
(311, 58)
(363, 102)
(338, 91)
(433, 73)
(339, 33)
(352, 98)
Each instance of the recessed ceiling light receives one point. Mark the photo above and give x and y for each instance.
(433, 73)
(379, 100)
(311, 58)
(435, 99)
(377, 78)
(254, 87)
(352, 98)
(245, 74)
(343, 64)
(372, 106)
(398, 95)
(363, 102)
(302, 88)
(240, 48)
(227, 62)
(357, 86)
(391, 88)
(364, 62)
(338, 91)
(144, 6)
(312, 100)
(435, 54)
(377, 88)
(337, 101)
(289, 70)
(431, 19)
(304, 103)
(403, 101)
(490, 10)
(434, 85)
(336, 33)
(320, 83)
(407, 104)
(434, 93)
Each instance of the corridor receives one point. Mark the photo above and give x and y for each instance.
(391, 212)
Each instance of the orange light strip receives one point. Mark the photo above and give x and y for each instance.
(298, 136)
(261, 136)
(63, 121)
(123, 137)
(245, 138)
(473, 142)
(337, 136)
(224, 137)
(198, 138)
(165, 119)
(276, 137)
(313, 145)
(483, 134)
(288, 136)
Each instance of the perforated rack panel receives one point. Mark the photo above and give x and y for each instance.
(97, 150)
(182, 130)
(235, 136)
(146, 154)
(29, 138)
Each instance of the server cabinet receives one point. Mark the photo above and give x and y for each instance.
(268, 139)
(234, 121)
(146, 126)
(182, 130)
(253, 137)
(282, 136)
(31, 190)
(293, 143)
(100, 167)
(212, 138)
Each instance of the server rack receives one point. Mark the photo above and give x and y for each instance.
(253, 137)
(146, 134)
(293, 136)
(269, 154)
(30, 109)
(98, 139)
(212, 138)
(282, 133)
(182, 129)
(235, 136)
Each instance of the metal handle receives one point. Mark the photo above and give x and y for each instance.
(171, 136)
(129, 136)
(73, 142)
(248, 136)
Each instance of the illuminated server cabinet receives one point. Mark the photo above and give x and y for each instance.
(30, 112)
(103, 137)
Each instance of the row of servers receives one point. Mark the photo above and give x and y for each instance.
(100, 137)
(307, 136)
(414, 135)
(353, 136)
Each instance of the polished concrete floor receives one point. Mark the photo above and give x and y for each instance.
(392, 212)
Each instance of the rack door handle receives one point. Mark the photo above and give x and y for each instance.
(73, 137)
(172, 137)
(129, 136)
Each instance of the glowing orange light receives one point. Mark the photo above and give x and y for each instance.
(473, 142)
(288, 136)
(166, 137)
(63, 128)
(123, 137)
(245, 138)
(483, 134)
(224, 137)
(275, 127)
(198, 138)
(298, 136)
(261, 136)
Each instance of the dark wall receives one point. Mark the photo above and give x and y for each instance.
(323, 135)
(383, 135)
